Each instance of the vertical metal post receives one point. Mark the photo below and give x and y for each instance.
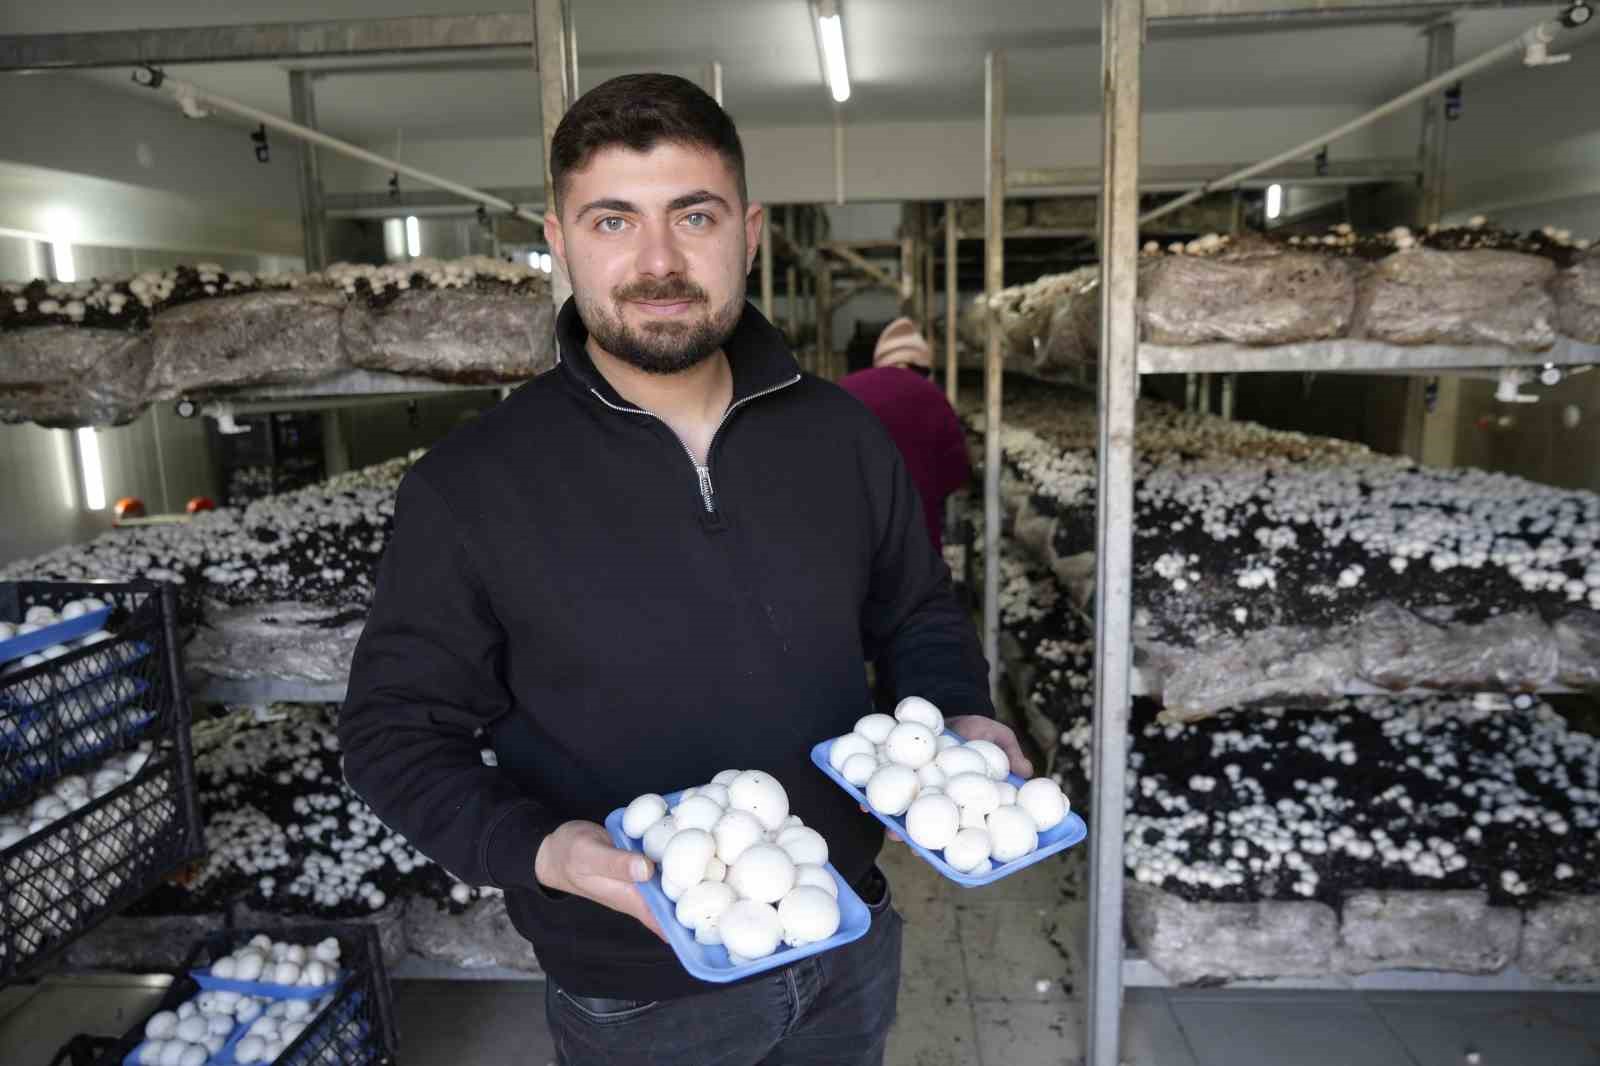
(951, 303)
(1191, 392)
(824, 319)
(713, 83)
(313, 220)
(1441, 57)
(1205, 394)
(555, 57)
(925, 242)
(1229, 383)
(766, 266)
(908, 277)
(838, 157)
(1122, 46)
(993, 281)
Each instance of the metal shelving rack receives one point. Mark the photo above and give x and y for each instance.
(1123, 360)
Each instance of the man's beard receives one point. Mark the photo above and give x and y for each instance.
(666, 347)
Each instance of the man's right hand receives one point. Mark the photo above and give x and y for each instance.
(579, 858)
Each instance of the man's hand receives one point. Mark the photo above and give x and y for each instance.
(579, 858)
(977, 727)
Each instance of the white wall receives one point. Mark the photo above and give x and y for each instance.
(930, 160)
(120, 170)
(1527, 146)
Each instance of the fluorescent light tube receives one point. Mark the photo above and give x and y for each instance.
(413, 237)
(831, 30)
(61, 255)
(1274, 201)
(94, 485)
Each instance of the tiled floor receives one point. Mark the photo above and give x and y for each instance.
(991, 977)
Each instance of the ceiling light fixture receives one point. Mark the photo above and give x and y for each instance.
(1274, 201)
(830, 46)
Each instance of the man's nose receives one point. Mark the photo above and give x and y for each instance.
(659, 254)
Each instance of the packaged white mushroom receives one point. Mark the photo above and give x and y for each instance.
(742, 871)
(276, 962)
(955, 796)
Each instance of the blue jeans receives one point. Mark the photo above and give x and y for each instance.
(832, 1009)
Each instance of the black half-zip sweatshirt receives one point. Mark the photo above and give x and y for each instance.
(616, 620)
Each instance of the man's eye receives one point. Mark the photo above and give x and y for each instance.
(697, 219)
(611, 224)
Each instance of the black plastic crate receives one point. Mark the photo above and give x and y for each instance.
(67, 716)
(356, 1029)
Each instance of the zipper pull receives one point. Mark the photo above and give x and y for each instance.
(705, 487)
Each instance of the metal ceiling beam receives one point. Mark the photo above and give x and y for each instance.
(1085, 181)
(1224, 15)
(265, 42)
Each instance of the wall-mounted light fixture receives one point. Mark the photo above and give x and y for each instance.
(94, 484)
(1274, 201)
(413, 237)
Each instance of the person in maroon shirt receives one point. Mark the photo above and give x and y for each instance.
(920, 420)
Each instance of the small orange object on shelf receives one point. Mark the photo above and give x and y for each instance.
(128, 507)
(197, 504)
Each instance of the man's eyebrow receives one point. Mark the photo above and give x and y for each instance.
(699, 196)
(608, 205)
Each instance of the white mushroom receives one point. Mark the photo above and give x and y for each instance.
(916, 709)
(750, 929)
(968, 850)
(764, 873)
(808, 915)
(911, 744)
(844, 748)
(642, 813)
(1044, 802)
(700, 908)
(816, 877)
(734, 832)
(891, 789)
(961, 760)
(1012, 833)
(656, 837)
(761, 795)
(726, 777)
(804, 845)
(875, 727)
(697, 812)
(933, 821)
(999, 763)
(716, 793)
(686, 856)
(859, 768)
(930, 776)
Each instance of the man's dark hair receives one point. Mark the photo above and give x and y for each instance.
(640, 111)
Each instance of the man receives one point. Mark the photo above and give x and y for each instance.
(666, 557)
(917, 416)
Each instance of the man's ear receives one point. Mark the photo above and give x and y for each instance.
(555, 238)
(755, 217)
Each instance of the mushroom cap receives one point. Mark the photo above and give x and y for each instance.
(930, 776)
(716, 793)
(875, 727)
(916, 709)
(1006, 791)
(672, 890)
(847, 746)
(163, 1024)
(933, 821)
(686, 856)
(193, 1029)
(808, 915)
(764, 873)
(726, 777)
(734, 832)
(911, 744)
(859, 768)
(961, 760)
(969, 848)
(1013, 833)
(697, 812)
(891, 789)
(946, 742)
(809, 874)
(750, 930)
(973, 790)
(1043, 800)
(656, 837)
(703, 904)
(999, 762)
(804, 845)
(760, 794)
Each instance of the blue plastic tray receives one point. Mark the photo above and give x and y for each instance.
(710, 962)
(114, 661)
(59, 633)
(1068, 832)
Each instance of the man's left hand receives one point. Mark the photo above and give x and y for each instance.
(977, 727)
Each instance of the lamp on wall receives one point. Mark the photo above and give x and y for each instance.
(830, 48)
(94, 485)
(1274, 201)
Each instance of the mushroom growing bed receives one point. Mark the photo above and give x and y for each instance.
(288, 840)
(1456, 833)
(277, 589)
(1276, 568)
